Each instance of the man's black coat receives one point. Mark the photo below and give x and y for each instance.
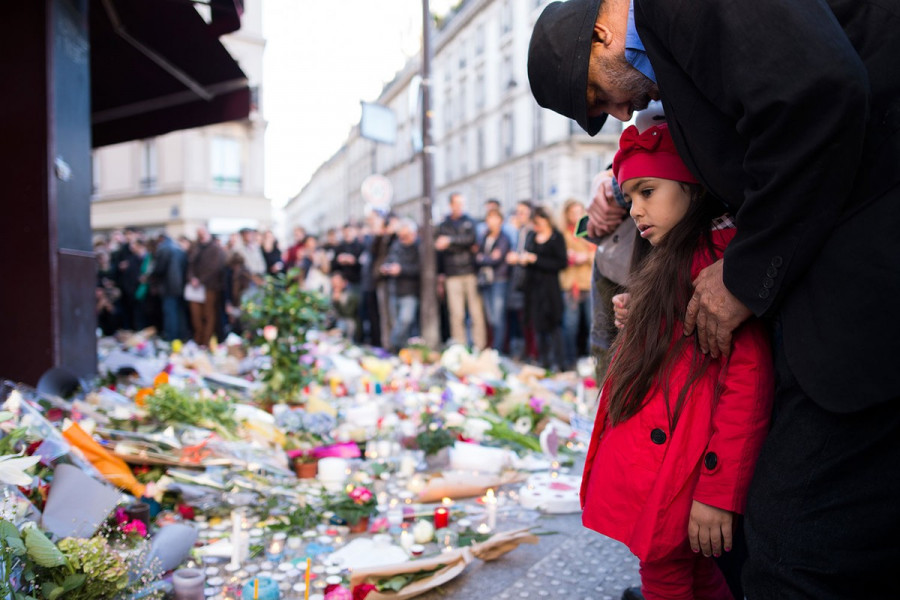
(789, 112)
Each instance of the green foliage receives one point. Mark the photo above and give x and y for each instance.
(301, 519)
(75, 569)
(351, 506)
(292, 312)
(434, 436)
(170, 405)
(395, 583)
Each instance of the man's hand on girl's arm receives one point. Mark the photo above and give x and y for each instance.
(710, 529)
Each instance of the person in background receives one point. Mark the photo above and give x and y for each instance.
(206, 266)
(167, 277)
(292, 254)
(317, 277)
(253, 256)
(344, 305)
(346, 257)
(272, 253)
(143, 305)
(368, 303)
(237, 281)
(402, 268)
(456, 240)
(545, 257)
(128, 270)
(493, 275)
(521, 336)
(575, 281)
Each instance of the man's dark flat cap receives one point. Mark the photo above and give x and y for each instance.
(558, 58)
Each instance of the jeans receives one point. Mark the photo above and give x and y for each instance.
(174, 323)
(403, 317)
(494, 298)
(573, 312)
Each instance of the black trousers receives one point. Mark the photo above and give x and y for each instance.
(823, 510)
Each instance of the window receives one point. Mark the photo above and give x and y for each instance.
(479, 40)
(95, 173)
(538, 126)
(462, 54)
(463, 155)
(225, 157)
(506, 18)
(479, 89)
(148, 165)
(506, 135)
(462, 100)
(539, 181)
(448, 161)
(479, 151)
(507, 80)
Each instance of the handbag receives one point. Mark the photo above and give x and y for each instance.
(485, 276)
(195, 293)
(613, 257)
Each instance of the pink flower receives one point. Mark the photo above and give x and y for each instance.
(537, 405)
(360, 495)
(137, 527)
(121, 517)
(339, 593)
(270, 332)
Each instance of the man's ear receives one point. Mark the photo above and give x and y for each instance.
(602, 34)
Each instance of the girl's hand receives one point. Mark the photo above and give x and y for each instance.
(710, 529)
(620, 309)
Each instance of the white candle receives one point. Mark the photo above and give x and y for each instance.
(490, 509)
(423, 532)
(237, 541)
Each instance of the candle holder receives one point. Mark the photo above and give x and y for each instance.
(188, 584)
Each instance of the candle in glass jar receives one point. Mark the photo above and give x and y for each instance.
(490, 508)
(441, 517)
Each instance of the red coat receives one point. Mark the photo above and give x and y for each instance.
(640, 479)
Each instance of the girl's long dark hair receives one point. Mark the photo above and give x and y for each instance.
(660, 287)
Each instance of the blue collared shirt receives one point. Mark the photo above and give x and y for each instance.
(635, 53)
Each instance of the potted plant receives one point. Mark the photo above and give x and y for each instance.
(355, 506)
(434, 439)
(278, 318)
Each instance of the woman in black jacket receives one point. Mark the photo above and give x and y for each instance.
(545, 257)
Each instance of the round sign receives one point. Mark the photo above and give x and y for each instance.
(377, 191)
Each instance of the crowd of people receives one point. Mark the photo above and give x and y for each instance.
(517, 283)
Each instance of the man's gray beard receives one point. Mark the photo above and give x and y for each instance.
(638, 86)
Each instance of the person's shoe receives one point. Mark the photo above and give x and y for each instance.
(632, 593)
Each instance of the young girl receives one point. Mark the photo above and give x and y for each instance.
(677, 433)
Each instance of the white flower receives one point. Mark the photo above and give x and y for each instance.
(475, 429)
(523, 425)
(453, 419)
(12, 469)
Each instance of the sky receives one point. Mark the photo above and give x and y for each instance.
(322, 58)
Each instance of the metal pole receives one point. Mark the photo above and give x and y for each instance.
(428, 309)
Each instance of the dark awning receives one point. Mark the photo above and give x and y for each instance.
(157, 66)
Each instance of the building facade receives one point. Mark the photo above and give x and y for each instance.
(210, 176)
(492, 139)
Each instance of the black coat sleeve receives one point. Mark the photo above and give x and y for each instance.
(788, 77)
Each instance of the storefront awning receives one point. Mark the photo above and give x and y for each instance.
(158, 66)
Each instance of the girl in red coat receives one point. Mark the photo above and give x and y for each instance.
(677, 433)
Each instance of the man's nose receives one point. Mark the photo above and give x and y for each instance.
(621, 111)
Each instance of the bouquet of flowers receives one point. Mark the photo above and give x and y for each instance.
(353, 505)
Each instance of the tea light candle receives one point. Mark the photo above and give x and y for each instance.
(237, 539)
(261, 588)
(441, 517)
(275, 549)
(417, 549)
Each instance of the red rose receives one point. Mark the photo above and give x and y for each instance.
(362, 590)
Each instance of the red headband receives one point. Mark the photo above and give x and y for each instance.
(649, 154)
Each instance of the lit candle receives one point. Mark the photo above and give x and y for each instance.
(490, 508)
(406, 540)
(441, 517)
